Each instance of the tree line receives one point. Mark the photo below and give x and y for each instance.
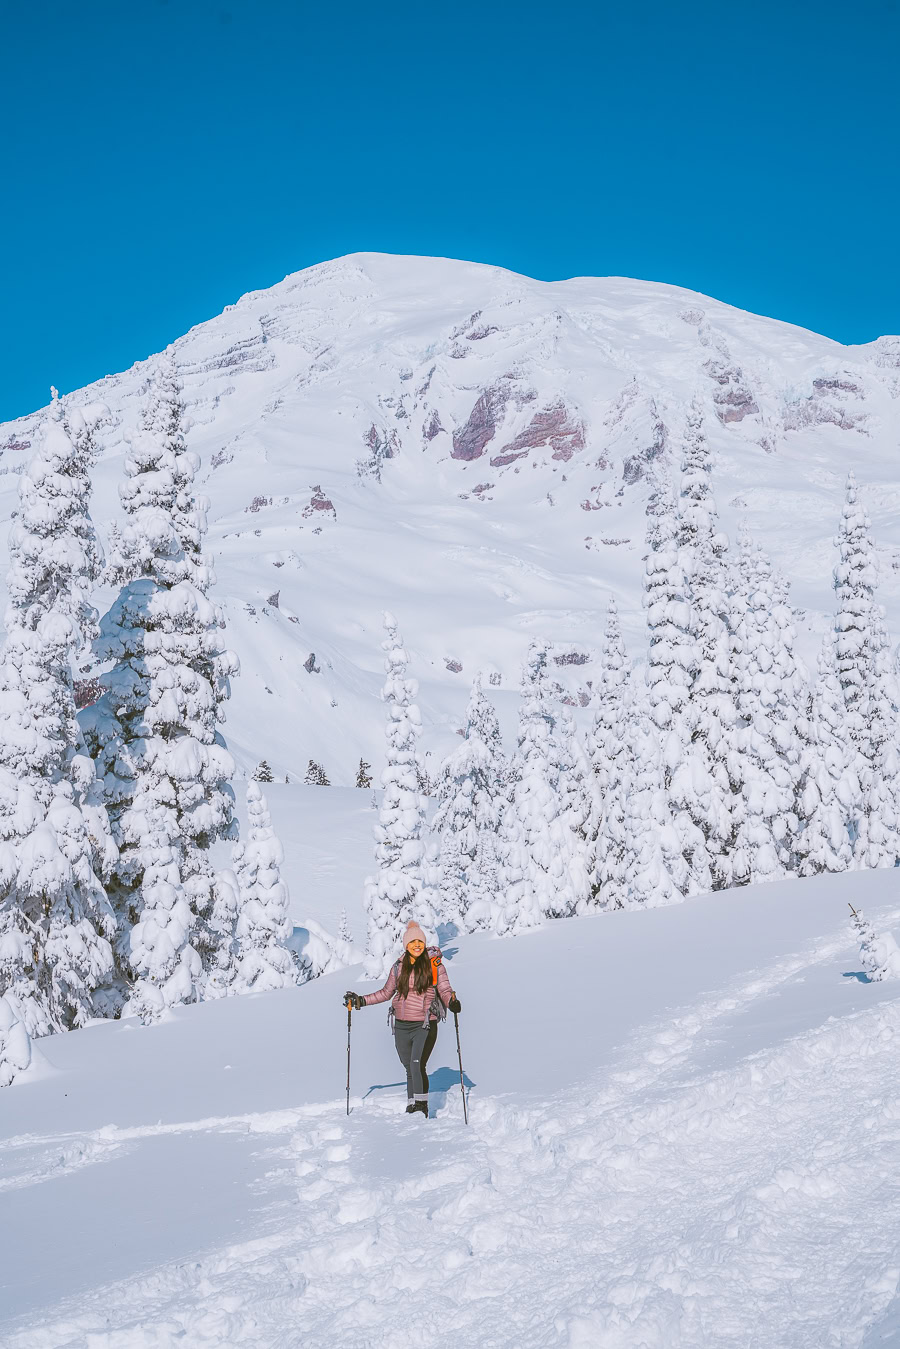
(109, 901)
(713, 762)
(716, 761)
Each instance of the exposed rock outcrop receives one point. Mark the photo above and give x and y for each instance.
(554, 426)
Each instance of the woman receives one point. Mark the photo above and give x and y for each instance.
(420, 990)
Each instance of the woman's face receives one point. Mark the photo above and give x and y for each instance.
(415, 949)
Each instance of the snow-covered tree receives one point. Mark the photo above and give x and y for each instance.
(878, 823)
(828, 787)
(654, 867)
(472, 791)
(607, 752)
(398, 891)
(219, 981)
(868, 687)
(854, 583)
(165, 767)
(262, 961)
(316, 775)
(880, 956)
(702, 787)
(671, 657)
(769, 695)
(363, 774)
(15, 1042)
(55, 920)
(319, 952)
(537, 844)
(344, 933)
(263, 773)
(582, 811)
(671, 674)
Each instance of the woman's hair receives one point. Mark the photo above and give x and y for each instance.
(421, 967)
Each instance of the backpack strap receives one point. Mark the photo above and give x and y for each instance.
(437, 1006)
(395, 970)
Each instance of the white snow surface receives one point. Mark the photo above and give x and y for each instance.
(684, 1131)
(522, 420)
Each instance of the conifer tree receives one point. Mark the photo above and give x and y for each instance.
(881, 794)
(55, 919)
(165, 767)
(671, 658)
(768, 694)
(263, 773)
(316, 775)
(536, 842)
(363, 774)
(608, 755)
(880, 956)
(854, 583)
(581, 811)
(219, 978)
(471, 795)
(704, 783)
(670, 675)
(868, 688)
(398, 891)
(262, 961)
(15, 1042)
(828, 787)
(655, 869)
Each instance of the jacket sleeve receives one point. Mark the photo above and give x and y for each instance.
(445, 992)
(383, 994)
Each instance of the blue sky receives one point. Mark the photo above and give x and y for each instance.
(161, 157)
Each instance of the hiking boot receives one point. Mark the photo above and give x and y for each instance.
(410, 1109)
(420, 1106)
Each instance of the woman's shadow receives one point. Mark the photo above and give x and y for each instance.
(440, 1082)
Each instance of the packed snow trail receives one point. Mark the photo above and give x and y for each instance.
(680, 1191)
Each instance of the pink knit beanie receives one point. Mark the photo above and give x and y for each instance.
(413, 933)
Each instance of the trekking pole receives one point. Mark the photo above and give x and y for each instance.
(349, 1015)
(462, 1085)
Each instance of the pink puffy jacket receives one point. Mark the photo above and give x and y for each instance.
(417, 1006)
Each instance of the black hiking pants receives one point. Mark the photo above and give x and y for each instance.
(414, 1044)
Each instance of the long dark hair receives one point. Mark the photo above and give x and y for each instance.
(422, 968)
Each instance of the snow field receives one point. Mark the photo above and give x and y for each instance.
(684, 1132)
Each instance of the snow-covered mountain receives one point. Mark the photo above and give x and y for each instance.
(474, 450)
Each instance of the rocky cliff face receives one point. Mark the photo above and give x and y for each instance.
(474, 450)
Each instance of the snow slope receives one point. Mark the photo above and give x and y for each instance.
(684, 1132)
(472, 449)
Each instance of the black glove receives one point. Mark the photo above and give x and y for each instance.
(455, 1005)
(354, 1001)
